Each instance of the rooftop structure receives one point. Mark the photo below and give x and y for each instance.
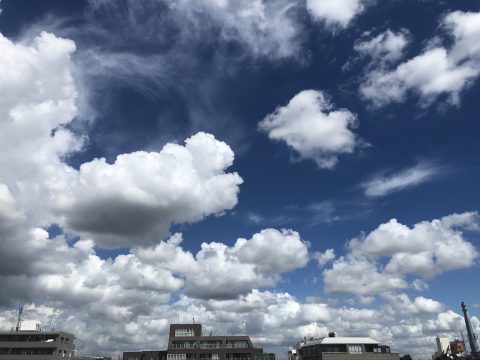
(341, 348)
(36, 345)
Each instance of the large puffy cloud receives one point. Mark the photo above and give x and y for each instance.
(84, 291)
(402, 304)
(311, 126)
(226, 272)
(383, 260)
(336, 12)
(437, 71)
(38, 99)
(137, 198)
(360, 276)
(422, 250)
(134, 200)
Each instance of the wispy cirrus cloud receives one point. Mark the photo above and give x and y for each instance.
(385, 184)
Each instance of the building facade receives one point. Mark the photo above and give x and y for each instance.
(145, 355)
(36, 345)
(186, 342)
(341, 348)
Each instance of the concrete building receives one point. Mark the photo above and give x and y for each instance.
(36, 345)
(145, 355)
(187, 342)
(342, 348)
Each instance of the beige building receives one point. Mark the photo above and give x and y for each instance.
(341, 348)
(36, 345)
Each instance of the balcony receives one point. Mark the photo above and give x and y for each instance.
(237, 346)
(211, 346)
(184, 346)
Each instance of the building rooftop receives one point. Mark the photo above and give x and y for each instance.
(341, 340)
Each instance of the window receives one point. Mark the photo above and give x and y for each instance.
(184, 332)
(176, 356)
(355, 349)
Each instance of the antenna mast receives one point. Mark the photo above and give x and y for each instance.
(19, 319)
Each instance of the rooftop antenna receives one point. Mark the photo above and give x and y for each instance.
(19, 318)
(472, 337)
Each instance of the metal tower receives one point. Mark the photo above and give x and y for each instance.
(472, 337)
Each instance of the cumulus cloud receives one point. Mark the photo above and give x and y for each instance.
(360, 276)
(381, 261)
(38, 101)
(385, 184)
(336, 12)
(437, 71)
(226, 272)
(402, 304)
(138, 198)
(135, 200)
(310, 125)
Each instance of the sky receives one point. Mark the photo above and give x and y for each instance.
(279, 169)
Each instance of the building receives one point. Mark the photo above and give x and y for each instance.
(458, 348)
(268, 356)
(186, 341)
(341, 348)
(36, 345)
(145, 355)
(450, 349)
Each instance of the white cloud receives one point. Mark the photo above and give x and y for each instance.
(384, 48)
(137, 198)
(132, 201)
(38, 100)
(385, 184)
(311, 126)
(226, 272)
(360, 276)
(324, 257)
(262, 28)
(381, 261)
(402, 304)
(435, 72)
(336, 12)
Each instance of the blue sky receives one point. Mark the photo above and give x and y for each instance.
(277, 168)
